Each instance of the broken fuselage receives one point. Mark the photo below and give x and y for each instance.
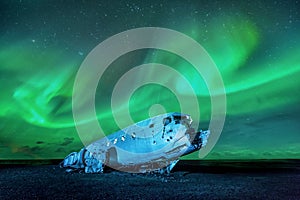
(154, 144)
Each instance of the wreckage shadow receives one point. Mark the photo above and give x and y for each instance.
(237, 166)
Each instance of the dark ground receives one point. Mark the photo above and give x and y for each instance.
(189, 180)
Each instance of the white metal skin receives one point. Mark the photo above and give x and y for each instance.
(152, 145)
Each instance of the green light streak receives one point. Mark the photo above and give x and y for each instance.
(36, 91)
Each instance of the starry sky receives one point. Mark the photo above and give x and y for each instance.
(254, 44)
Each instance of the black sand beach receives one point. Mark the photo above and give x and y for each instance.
(189, 180)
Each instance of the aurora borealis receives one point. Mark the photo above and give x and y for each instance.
(255, 45)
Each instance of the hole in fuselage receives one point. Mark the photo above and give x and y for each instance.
(167, 121)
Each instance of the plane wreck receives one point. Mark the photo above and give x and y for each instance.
(152, 145)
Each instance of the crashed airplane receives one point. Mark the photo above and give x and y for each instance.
(152, 145)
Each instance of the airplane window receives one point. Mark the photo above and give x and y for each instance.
(123, 138)
(133, 135)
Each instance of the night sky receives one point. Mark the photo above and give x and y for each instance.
(255, 45)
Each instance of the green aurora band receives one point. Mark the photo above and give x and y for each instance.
(261, 82)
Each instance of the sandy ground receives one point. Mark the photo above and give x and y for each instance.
(186, 182)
